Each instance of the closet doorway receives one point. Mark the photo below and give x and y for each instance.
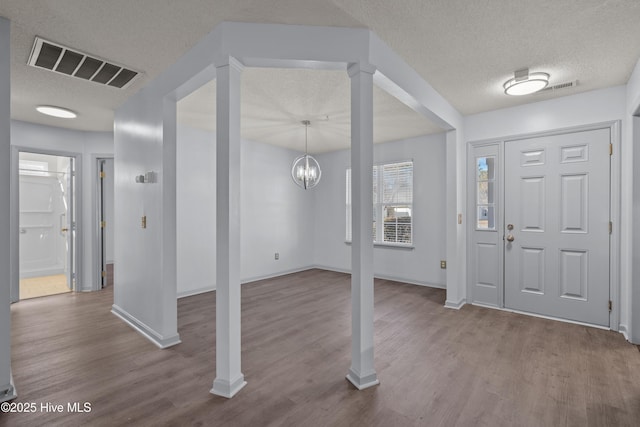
(105, 212)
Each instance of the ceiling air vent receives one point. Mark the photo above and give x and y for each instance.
(553, 88)
(64, 60)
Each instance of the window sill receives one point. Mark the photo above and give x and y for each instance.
(389, 245)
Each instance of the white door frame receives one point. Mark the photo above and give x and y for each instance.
(614, 203)
(15, 215)
(96, 240)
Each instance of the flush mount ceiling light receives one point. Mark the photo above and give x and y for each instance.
(525, 83)
(306, 170)
(62, 113)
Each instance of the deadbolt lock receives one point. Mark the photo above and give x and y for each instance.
(509, 227)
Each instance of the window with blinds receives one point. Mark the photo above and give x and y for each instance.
(392, 203)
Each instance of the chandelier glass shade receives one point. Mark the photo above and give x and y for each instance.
(306, 171)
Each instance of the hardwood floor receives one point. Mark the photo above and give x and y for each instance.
(437, 367)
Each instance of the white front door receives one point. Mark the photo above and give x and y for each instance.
(557, 218)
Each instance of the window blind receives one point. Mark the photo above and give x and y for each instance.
(392, 202)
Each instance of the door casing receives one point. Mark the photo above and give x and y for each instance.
(614, 203)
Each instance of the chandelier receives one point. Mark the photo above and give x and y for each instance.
(306, 170)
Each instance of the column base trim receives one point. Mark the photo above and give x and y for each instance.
(8, 392)
(227, 389)
(362, 382)
(144, 330)
(456, 305)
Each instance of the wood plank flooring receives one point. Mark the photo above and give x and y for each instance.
(437, 367)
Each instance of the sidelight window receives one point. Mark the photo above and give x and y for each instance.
(485, 193)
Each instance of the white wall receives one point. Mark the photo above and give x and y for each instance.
(47, 138)
(6, 389)
(631, 188)
(581, 109)
(145, 269)
(420, 265)
(576, 110)
(196, 210)
(276, 216)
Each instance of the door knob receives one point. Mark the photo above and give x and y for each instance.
(64, 229)
(510, 238)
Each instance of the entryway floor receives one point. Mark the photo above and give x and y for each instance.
(34, 287)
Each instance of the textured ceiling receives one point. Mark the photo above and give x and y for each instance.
(465, 49)
(275, 101)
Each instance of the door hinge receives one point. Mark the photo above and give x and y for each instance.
(610, 227)
(611, 149)
(610, 305)
(104, 274)
(102, 175)
(103, 224)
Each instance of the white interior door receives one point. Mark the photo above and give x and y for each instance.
(557, 202)
(42, 217)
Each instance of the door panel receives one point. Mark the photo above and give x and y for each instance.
(557, 199)
(485, 273)
(41, 241)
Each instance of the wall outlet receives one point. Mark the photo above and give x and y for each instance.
(277, 256)
(443, 264)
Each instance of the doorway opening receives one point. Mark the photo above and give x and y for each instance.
(47, 224)
(105, 210)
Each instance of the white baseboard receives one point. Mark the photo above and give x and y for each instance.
(197, 291)
(624, 331)
(204, 289)
(145, 330)
(410, 281)
(278, 274)
(456, 305)
(334, 269)
(385, 277)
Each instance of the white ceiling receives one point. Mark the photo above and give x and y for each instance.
(276, 101)
(465, 49)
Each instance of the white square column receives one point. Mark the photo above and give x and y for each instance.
(7, 392)
(229, 378)
(362, 373)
